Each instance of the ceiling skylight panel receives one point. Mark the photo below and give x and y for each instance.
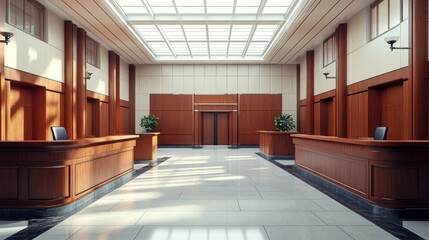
(160, 48)
(277, 6)
(129, 3)
(275, 10)
(173, 32)
(218, 48)
(254, 3)
(199, 48)
(246, 10)
(236, 48)
(180, 48)
(219, 32)
(220, 3)
(190, 10)
(256, 48)
(134, 10)
(163, 10)
(219, 10)
(149, 32)
(195, 32)
(160, 3)
(240, 32)
(278, 3)
(189, 3)
(264, 32)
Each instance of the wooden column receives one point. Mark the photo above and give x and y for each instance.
(81, 83)
(112, 93)
(309, 118)
(298, 95)
(418, 66)
(132, 97)
(341, 88)
(118, 95)
(70, 78)
(3, 91)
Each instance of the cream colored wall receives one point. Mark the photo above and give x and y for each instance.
(99, 81)
(321, 84)
(214, 79)
(29, 54)
(369, 58)
(124, 81)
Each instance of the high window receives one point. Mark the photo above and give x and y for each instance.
(92, 52)
(329, 47)
(29, 16)
(385, 15)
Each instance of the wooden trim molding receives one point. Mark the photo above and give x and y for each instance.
(24, 77)
(302, 102)
(325, 95)
(99, 96)
(125, 103)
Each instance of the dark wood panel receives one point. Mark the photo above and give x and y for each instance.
(309, 120)
(222, 128)
(276, 144)
(90, 117)
(104, 119)
(125, 120)
(164, 102)
(175, 139)
(318, 118)
(357, 115)
(395, 183)
(260, 102)
(54, 111)
(8, 183)
(41, 186)
(208, 128)
(132, 95)
(174, 122)
(392, 110)
(224, 98)
(302, 116)
(341, 83)
(21, 113)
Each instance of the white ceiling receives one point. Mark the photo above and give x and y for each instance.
(313, 22)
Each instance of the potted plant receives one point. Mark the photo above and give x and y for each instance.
(149, 123)
(284, 122)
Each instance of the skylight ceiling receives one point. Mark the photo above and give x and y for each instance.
(206, 29)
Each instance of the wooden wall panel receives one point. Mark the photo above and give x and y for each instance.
(104, 119)
(208, 128)
(8, 183)
(175, 118)
(125, 120)
(90, 117)
(357, 115)
(395, 183)
(223, 98)
(223, 128)
(392, 111)
(302, 116)
(257, 112)
(318, 118)
(54, 111)
(330, 118)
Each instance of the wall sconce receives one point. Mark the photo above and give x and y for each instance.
(7, 36)
(392, 40)
(326, 75)
(87, 75)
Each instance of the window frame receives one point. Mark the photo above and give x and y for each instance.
(96, 47)
(326, 62)
(376, 4)
(42, 20)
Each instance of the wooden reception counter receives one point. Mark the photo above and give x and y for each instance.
(43, 174)
(389, 173)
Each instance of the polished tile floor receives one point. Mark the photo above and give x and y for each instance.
(214, 193)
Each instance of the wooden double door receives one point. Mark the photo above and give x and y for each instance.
(215, 128)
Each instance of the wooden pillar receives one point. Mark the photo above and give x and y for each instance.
(341, 86)
(70, 78)
(419, 67)
(112, 93)
(309, 118)
(298, 95)
(118, 95)
(132, 97)
(81, 83)
(3, 88)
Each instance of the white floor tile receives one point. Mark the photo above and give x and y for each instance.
(278, 205)
(107, 233)
(367, 233)
(8, 228)
(178, 205)
(342, 218)
(420, 228)
(59, 233)
(104, 218)
(306, 233)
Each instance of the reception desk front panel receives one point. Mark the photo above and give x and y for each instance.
(45, 174)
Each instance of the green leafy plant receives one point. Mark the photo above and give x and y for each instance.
(284, 122)
(149, 122)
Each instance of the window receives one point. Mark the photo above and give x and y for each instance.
(329, 46)
(29, 16)
(92, 52)
(385, 15)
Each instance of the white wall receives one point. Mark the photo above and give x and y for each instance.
(124, 86)
(369, 58)
(29, 54)
(214, 79)
(99, 81)
(321, 84)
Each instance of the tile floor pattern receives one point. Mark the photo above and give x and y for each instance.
(215, 193)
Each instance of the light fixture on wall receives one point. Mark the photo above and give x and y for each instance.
(326, 75)
(87, 75)
(392, 40)
(7, 36)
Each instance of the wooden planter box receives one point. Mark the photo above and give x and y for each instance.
(146, 146)
(273, 144)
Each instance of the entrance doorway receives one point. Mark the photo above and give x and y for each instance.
(215, 128)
